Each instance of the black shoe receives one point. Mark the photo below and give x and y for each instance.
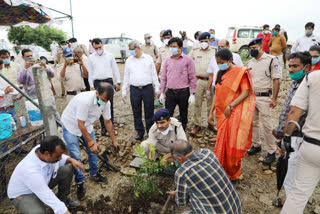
(254, 150)
(103, 131)
(20, 151)
(235, 182)
(269, 159)
(72, 203)
(98, 178)
(81, 191)
(139, 137)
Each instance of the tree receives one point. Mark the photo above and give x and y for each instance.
(42, 35)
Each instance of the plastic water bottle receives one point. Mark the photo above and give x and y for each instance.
(23, 121)
(13, 124)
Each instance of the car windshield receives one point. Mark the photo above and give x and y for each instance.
(255, 33)
(243, 33)
(230, 32)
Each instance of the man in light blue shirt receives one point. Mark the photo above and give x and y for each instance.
(213, 40)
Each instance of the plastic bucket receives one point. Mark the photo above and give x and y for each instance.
(5, 126)
(34, 114)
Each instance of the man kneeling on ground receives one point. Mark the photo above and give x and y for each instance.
(201, 180)
(41, 170)
(163, 133)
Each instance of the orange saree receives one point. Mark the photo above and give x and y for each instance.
(234, 133)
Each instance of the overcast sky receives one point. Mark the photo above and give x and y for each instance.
(99, 18)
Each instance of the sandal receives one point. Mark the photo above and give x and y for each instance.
(277, 203)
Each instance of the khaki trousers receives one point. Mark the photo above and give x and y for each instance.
(262, 114)
(202, 86)
(306, 179)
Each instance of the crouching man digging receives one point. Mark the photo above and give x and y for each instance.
(163, 133)
(41, 170)
(78, 118)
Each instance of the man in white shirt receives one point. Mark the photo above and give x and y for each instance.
(77, 119)
(54, 47)
(309, 39)
(74, 44)
(102, 68)
(40, 171)
(223, 43)
(140, 73)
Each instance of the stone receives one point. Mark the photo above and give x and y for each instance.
(121, 125)
(261, 159)
(264, 199)
(128, 144)
(129, 171)
(259, 190)
(202, 145)
(268, 172)
(317, 210)
(206, 138)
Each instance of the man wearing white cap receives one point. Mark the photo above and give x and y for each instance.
(150, 48)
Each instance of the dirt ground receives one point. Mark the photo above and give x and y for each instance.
(257, 188)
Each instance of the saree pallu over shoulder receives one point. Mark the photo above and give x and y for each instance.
(234, 133)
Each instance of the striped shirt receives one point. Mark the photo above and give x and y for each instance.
(202, 181)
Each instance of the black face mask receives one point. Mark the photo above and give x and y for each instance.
(254, 53)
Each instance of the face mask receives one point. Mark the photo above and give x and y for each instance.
(212, 36)
(308, 32)
(74, 45)
(149, 41)
(165, 132)
(68, 58)
(101, 102)
(254, 53)
(6, 61)
(27, 59)
(133, 52)
(266, 32)
(17, 51)
(64, 46)
(298, 75)
(99, 52)
(174, 51)
(204, 45)
(166, 41)
(121, 40)
(315, 61)
(177, 163)
(223, 67)
(274, 33)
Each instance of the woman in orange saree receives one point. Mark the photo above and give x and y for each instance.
(234, 102)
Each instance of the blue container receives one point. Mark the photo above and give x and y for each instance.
(35, 115)
(5, 126)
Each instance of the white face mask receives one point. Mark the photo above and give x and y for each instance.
(64, 46)
(266, 32)
(74, 45)
(204, 45)
(166, 41)
(165, 132)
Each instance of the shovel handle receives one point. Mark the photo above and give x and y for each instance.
(165, 206)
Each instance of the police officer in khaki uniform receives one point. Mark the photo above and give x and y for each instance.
(149, 47)
(201, 57)
(163, 133)
(265, 73)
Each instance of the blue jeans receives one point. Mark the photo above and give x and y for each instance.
(74, 150)
(4, 147)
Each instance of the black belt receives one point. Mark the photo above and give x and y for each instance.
(140, 87)
(311, 140)
(178, 90)
(74, 92)
(262, 94)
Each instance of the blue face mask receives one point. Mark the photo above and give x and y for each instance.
(212, 36)
(149, 41)
(6, 61)
(315, 60)
(174, 51)
(308, 32)
(27, 59)
(177, 163)
(101, 102)
(298, 75)
(132, 52)
(223, 67)
(70, 57)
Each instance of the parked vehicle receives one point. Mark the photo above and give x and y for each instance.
(43, 53)
(112, 45)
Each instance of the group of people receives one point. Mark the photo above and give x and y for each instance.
(237, 99)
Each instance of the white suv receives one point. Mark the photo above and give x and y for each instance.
(112, 45)
(239, 38)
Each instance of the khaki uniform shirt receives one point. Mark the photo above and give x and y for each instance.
(202, 60)
(11, 72)
(59, 56)
(152, 50)
(260, 72)
(307, 98)
(73, 79)
(164, 53)
(163, 143)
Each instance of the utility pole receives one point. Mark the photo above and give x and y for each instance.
(71, 17)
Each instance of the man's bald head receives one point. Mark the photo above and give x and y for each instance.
(223, 43)
(181, 148)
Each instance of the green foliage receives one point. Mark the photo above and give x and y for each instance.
(145, 178)
(42, 35)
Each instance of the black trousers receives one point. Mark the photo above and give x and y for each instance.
(137, 95)
(178, 97)
(86, 83)
(96, 83)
